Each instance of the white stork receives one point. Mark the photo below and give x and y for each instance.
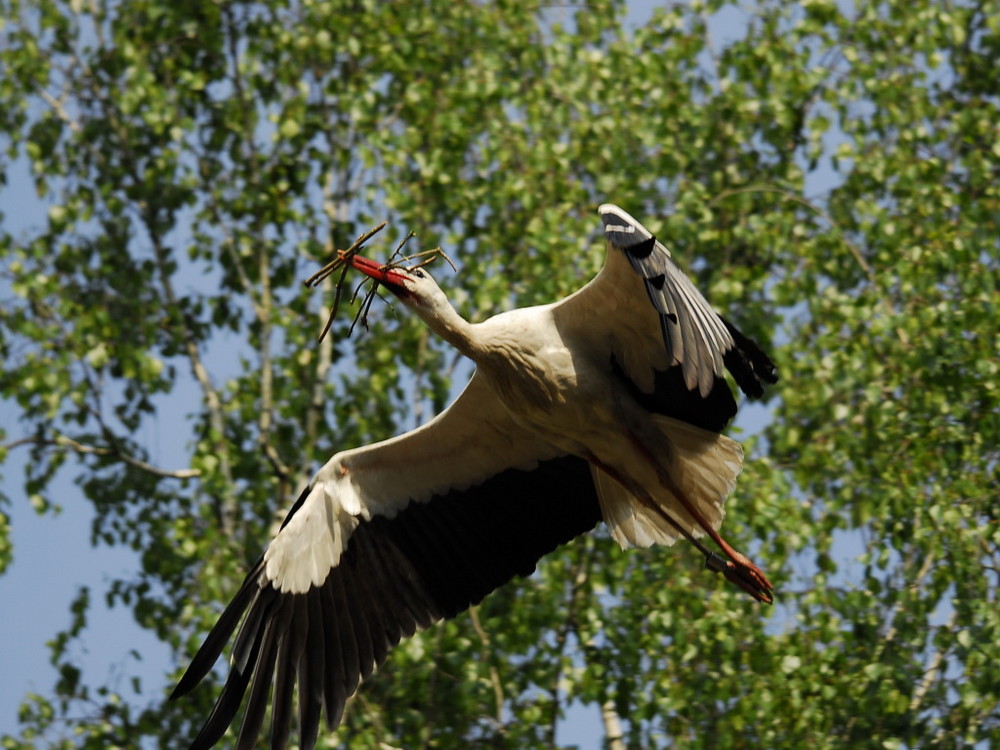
(605, 406)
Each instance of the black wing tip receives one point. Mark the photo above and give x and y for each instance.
(211, 648)
(182, 688)
(192, 676)
(748, 363)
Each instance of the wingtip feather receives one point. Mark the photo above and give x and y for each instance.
(206, 657)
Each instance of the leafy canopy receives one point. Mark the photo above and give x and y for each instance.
(829, 173)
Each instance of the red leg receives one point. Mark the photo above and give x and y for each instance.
(743, 567)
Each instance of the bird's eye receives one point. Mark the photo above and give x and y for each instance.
(418, 273)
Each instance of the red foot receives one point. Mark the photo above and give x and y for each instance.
(744, 574)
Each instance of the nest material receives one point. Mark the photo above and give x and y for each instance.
(343, 263)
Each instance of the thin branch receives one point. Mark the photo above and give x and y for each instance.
(890, 634)
(62, 441)
(484, 640)
(94, 390)
(229, 246)
(342, 262)
(99, 14)
(580, 577)
(265, 419)
(417, 399)
(212, 401)
(933, 669)
(154, 470)
(344, 256)
(318, 401)
(60, 110)
(262, 310)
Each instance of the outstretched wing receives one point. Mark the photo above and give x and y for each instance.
(385, 541)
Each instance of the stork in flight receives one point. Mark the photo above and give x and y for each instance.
(606, 406)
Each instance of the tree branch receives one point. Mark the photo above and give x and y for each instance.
(933, 669)
(890, 634)
(323, 364)
(263, 306)
(60, 109)
(484, 640)
(213, 402)
(580, 578)
(613, 733)
(62, 441)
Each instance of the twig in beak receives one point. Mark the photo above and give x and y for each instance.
(366, 305)
(343, 263)
(343, 257)
(399, 247)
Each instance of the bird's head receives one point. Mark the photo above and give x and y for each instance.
(414, 286)
(417, 288)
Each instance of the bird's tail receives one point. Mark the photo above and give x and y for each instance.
(703, 465)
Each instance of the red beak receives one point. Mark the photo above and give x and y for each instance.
(378, 271)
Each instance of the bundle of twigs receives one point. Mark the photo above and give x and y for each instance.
(343, 263)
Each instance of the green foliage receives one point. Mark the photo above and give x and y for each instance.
(829, 175)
